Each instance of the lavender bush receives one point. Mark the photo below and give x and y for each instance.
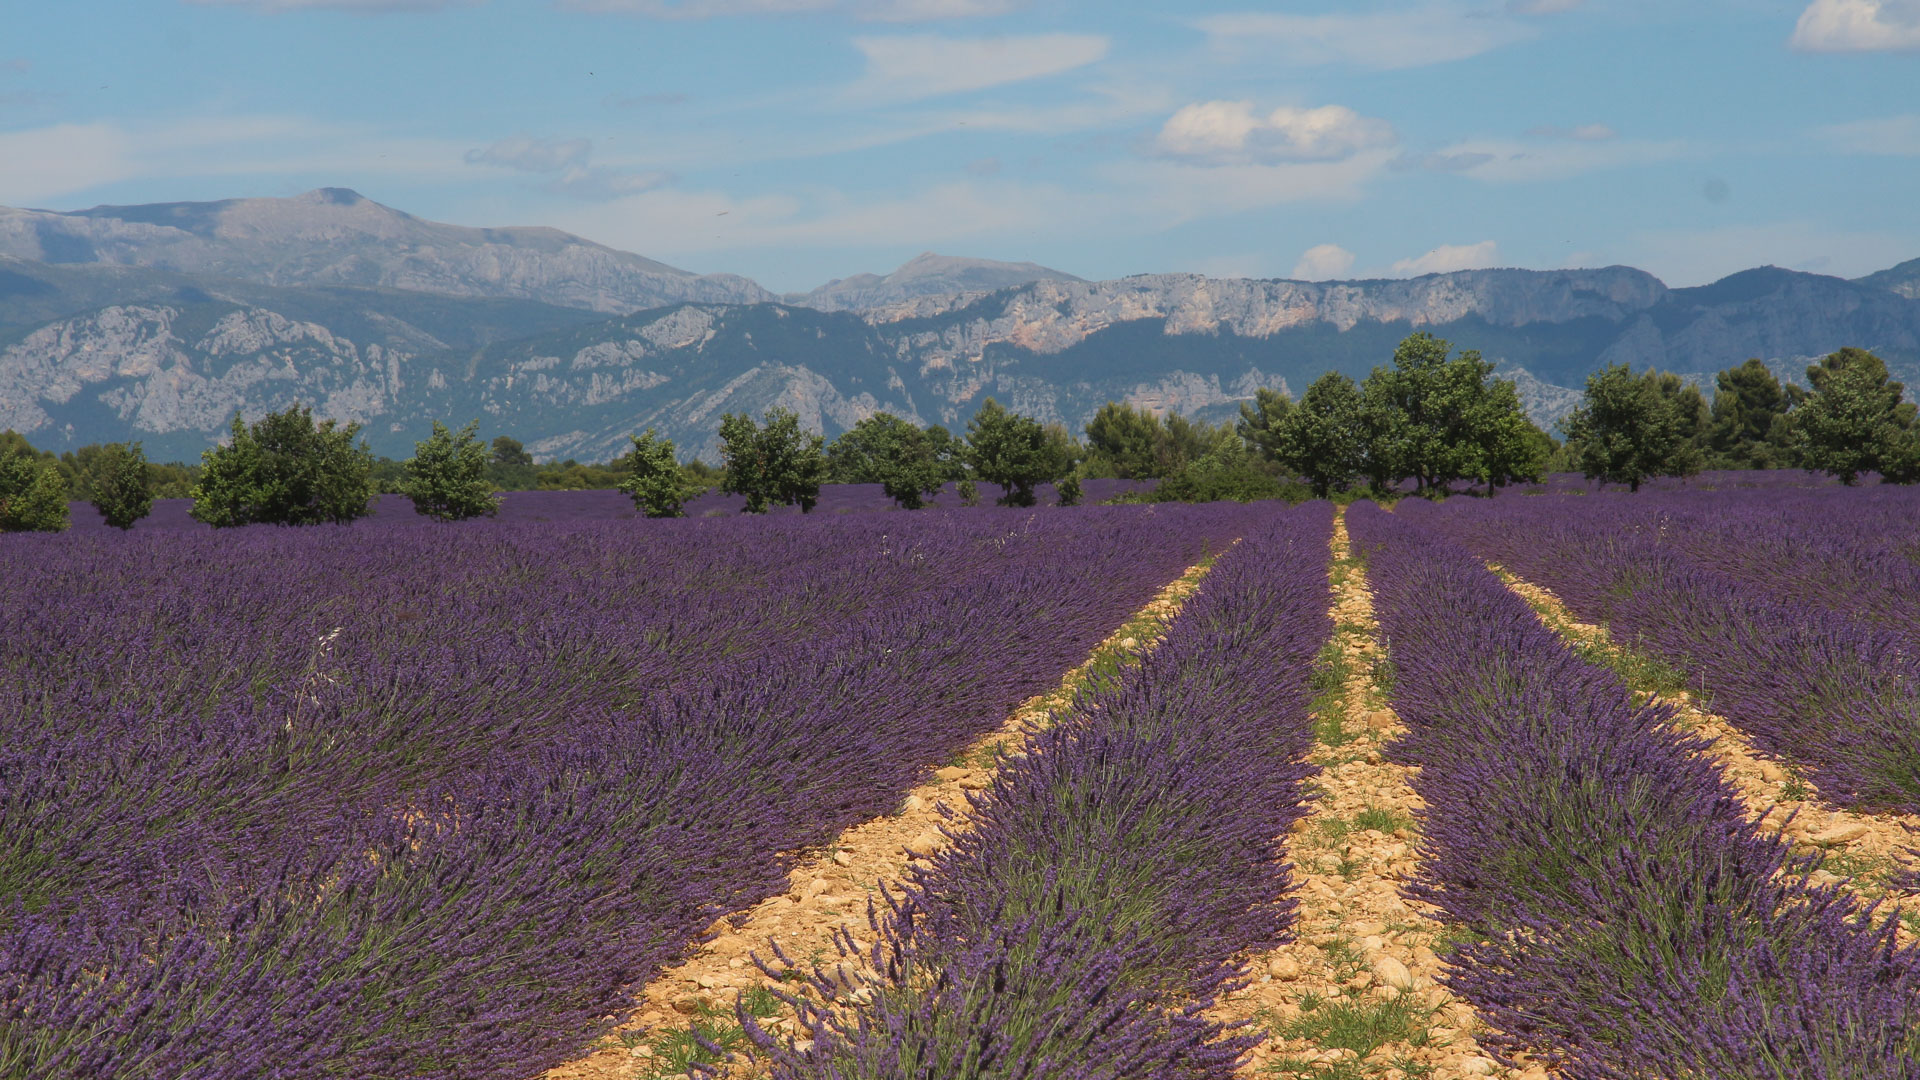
(1626, 917)
(1092, 914)
(427, 802)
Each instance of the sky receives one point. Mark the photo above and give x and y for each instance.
(795, 141)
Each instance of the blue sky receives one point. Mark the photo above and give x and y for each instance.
(800, 140)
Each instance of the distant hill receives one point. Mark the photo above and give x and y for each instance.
(926, 274)
(334, 236)
(1903, 279)
(161, 335)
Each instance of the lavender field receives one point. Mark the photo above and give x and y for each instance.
(402, 800)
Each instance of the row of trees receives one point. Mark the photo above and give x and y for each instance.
(1852, 421)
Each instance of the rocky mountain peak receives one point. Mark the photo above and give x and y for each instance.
(926, 275)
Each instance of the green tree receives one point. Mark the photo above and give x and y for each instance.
(1320, 439)
(1122, 442)
(33, 494)
(1069, 491)
(774, 463)
(1509, 448)
(1261, 419)
(1426, 416)
(120, 486)
(447, 476)
(1854, 421)
(285, 470)
(1748, 426)
(886, 450)
(659, 487)
(1014, 452)
(1631, 427)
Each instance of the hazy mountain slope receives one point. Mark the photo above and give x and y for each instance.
(925, 275)
(1903, 279)
(170, 369)
(334, 236)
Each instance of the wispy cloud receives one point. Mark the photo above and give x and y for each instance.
(1510, 161)
(1450, 257)
(1893, 136)
(1858, 26)
(569, 159)
(911, 66)
(901, 11)
(357, 7)
(1231, 132)
(1580, 133)
(1434, 34)
(1322, 262)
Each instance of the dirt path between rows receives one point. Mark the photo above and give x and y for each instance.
(1356, 994)
(830, 892)
(1870, 849)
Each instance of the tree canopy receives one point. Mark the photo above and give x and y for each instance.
(1632, 427)
(772, 462)
(285, 469)
(1854, 421)
(447, 476)
(1014, 452)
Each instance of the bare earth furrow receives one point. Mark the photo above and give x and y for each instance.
(1357, 990)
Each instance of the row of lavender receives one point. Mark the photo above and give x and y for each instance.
(1628, 917)
(1089, 918)
(426, 803)
(1808, 683)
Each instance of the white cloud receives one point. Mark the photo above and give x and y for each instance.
(901, 11)
(358, 7)
(528, 154)
(1858, 26)
(1893, 136)
(1450, 257)
(911, 66)
(1434, 34)
(1230, 132)
(1322, 262)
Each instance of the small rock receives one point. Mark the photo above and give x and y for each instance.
(975, 782)
(1284, 968)
(926, 844)
(843, 857)
(1392, 972)
(1380, 720)
(951, 772)
(816, 887)
(1129, 643)
(1844, 833)
(1478, 1066)
(1772, 773)
(641, 1052)
(687, 1006)
(914, 802)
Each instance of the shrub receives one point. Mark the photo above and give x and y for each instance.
(775, 463)
(285, 470)
(658, 486)
(1069, 491)
(447, 478)
(119, 477)
(33, 497)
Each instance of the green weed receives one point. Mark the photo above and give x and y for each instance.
(1361, 1026)
(676, 1050)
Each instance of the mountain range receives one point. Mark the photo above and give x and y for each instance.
(156, 322)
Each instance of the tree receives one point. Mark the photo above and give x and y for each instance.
(33, 495)
(1854, 421)
(659, 487)
(775, 463)
(509, 451)
(447, 476)
(1121, 442)
(118, 477)
(1319, 439)
(1427, 416)
(285, 470)
(1261, 418)
(1630, 428)
(886, 450)
(1510, 448)
(1748, 426)
(1069, 491)
(1014, 452)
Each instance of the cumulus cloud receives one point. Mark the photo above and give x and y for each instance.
(1231, 132)
(1858, 26)
(909, 66)
(528, 154)
(1322, 262)
(869, 10)
(1434, 34)
(1449, 257)
(1893, 136)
